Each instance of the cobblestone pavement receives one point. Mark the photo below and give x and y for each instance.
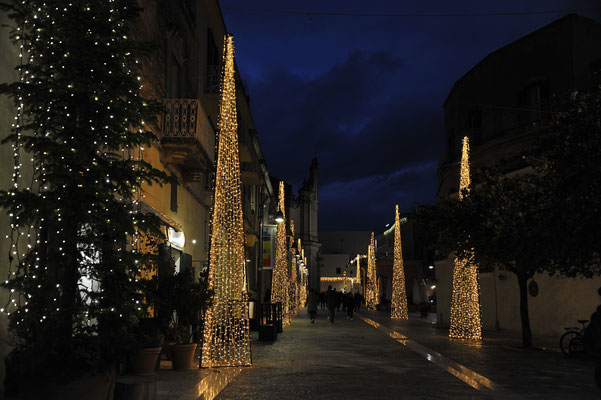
(347, 360)
(353, 360)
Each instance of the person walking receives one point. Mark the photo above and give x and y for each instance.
(312, 301)
(592, 341)
(350, 306)
(331, 300)
(357, 299)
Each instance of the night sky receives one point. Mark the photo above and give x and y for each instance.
(365, 94)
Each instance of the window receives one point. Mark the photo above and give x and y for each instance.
(175, 78)
(213, 77)
(337, 271)
(208, 180)
(532, 99)
(212, 51)
(451, 143)
(474, 126)
(174, 195)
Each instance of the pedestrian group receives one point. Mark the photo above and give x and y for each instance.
(333, 300)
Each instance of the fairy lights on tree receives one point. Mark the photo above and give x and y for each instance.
(302, 285)
(399, 297)
(466, 320)
(279, 283)
(293, 284)
(372, 285)
(80, 121)
(226, 332)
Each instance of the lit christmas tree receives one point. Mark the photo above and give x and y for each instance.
(399, 297)
(372, 284)
(226, 331)
(465, 304)
(279, 283)
(293, 285)
(302, 285)
(80, 121)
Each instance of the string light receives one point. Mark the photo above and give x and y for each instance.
(399, 297)
(302, 286)
(226, 333)
(71, 197)
(371, 295)
(466, 319)
(279, 283)
(292, 285)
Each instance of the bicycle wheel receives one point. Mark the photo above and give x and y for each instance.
(576, 346)
(564, 342)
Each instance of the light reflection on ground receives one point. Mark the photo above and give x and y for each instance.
(211, 385)
(468, 376)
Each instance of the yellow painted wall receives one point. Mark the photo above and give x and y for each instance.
(192, 215)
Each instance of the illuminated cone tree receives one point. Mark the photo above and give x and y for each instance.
(292, 284)
(226, 332)
(371, 295)
(465, 304)
(279, 283)
(399, 296)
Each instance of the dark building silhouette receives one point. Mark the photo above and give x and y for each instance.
(504, 104)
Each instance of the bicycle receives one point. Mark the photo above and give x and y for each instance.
(572, 342)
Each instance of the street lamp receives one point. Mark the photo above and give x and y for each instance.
(279, 217)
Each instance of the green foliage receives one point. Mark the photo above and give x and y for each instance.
(82, 122)
(568, 159)
(546, 219)
(192, 300)
(168, 292)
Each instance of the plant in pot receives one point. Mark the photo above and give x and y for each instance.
(149, 343)
(159, 291)
(191, 300)
(74, 298)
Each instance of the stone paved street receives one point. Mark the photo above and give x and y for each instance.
(352, 359)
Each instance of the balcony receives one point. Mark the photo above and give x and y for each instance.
(187, 137)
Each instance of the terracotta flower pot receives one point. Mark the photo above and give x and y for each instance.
(167, 349)
(182, 356)
(145, 362)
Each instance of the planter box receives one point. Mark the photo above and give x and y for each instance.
(268, 333)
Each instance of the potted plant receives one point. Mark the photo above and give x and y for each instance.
(191, 299)
(150, 341)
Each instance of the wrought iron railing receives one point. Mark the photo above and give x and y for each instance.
(186, 119)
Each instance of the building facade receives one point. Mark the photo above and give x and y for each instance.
(420, 283)
(184, 73)
(304, 211)
(504, 104)
(339, 253)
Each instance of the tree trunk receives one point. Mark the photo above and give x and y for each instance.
(69, 278)
(526, 332)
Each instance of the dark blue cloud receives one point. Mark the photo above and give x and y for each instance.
(365, 95)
